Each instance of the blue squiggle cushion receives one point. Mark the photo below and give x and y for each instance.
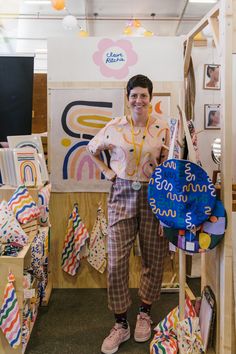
(181, 194)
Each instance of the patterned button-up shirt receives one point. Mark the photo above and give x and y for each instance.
(116, 137)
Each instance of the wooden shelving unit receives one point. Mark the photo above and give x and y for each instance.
(17, 266)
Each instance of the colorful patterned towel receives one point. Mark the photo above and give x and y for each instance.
(97, 244)
(23, 205)
(10, 314)
(76, 236)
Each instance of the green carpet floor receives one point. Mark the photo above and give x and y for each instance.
(77, 320)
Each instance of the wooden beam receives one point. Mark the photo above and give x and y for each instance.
(214, 25)
(203, 23)
(187, 55)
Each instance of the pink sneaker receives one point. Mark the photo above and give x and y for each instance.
(143, 329)
(117, 336)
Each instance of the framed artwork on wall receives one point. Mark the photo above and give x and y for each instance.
(212, 116)
(211, 78)
(161, 104)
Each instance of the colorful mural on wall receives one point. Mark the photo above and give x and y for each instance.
(76, 116)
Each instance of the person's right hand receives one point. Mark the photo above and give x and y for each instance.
(109, 174)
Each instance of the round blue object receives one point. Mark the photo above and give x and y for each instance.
(181, 194)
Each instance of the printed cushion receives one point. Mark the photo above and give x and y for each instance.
(206, 237)
(43, 204)
(171, 320)
(189, 336)
(180, 194)
(164, 343)
(10, 229)
(23, 205)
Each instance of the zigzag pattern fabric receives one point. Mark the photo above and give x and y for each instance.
(10, 315)
(171, 320)
(23, 205)
(164, 343)
(75, 238)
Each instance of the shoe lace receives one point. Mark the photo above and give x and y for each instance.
(114, 331)
(144, 319)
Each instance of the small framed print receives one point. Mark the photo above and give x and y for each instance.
(161, 104)
(211, 80)
(212, 116)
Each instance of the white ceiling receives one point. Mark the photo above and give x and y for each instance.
(25, 27)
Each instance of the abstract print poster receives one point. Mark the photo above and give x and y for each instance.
(76, 115)
(31, 142)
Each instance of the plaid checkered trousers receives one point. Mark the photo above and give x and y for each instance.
(128, 215)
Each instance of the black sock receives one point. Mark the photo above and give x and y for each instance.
(122, 318)
(145, 308)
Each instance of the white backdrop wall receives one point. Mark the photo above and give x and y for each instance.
(86, 65)
(73, 60)
(201, 56)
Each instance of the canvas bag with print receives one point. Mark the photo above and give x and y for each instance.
(180, 193)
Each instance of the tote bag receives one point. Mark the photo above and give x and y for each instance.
(183, 198)
(180, 193)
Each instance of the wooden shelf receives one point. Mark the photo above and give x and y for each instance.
(16, 265)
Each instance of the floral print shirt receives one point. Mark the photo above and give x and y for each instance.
(116, 137)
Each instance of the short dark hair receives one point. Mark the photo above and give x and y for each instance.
(210, 116)
(139, 81)
(209, 67)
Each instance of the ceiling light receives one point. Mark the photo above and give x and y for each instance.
(134, 28)
(37, 2)
(203, 1)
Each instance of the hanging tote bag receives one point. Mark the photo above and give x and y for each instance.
(180, 192)
(183, 197)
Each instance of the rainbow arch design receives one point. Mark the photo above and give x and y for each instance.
(28, 144)
(77, 161)
(27, 172)
(85, 116)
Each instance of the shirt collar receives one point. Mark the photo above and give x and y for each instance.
(124, 120)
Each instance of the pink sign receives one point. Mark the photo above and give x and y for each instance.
(115, 57)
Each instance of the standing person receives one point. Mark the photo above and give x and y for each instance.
(136, 144)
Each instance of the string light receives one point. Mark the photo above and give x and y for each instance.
(83, 33)
(69, 22)
(58, 4)
(134, 28)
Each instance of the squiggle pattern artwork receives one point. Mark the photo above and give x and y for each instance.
(181, 194)
(77, 119)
